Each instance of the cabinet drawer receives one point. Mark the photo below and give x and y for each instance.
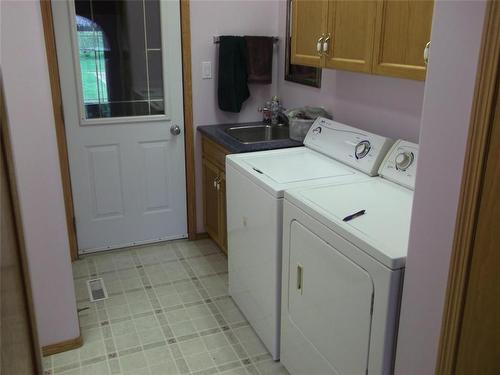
(214, 153)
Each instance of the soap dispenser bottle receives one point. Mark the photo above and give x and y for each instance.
(275, 109)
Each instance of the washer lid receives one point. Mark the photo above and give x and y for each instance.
(383, 230)
(298, 166)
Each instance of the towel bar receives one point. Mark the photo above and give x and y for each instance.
(217, 39)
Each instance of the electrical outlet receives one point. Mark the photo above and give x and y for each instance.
(206, 70)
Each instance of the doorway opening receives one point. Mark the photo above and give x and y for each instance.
(97, 91)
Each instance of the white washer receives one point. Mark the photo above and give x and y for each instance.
(342, 280)
(255, 183)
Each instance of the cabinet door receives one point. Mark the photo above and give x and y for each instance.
(351, 27)
(403, 28)
(211, 200)
(223, 212)
(309, 19)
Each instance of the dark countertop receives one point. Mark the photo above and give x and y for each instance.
(218, 134)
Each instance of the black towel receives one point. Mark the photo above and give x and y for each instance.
(260, 59)
(233, 89)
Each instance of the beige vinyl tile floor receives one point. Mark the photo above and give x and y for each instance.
(168, 313)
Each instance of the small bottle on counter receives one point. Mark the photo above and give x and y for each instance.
(275, 109)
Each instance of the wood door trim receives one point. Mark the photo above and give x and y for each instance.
(62, 346)
(57, 108)
(188, 118)
(50, 47)
(472, 182)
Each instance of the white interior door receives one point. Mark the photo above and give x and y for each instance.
(121, 81)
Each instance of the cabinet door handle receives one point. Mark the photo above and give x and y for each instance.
(325, 43)
(300, 278)
(216, 179)
(426, 53)
(319, 43)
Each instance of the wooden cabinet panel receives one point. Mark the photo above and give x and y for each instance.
(214, 191)
(351, 27)
(403, 28)
(214, 153)
(385, 37)
(211, 200)
(309, 20)
(223, 212)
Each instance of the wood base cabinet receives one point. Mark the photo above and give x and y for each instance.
(385, 37)
(214, 191)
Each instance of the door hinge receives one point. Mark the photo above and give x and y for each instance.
(74, 223)
(371, 307)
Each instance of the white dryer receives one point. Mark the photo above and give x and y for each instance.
(342, 278)
(255, 183)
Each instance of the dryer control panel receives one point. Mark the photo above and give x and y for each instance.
(355, 147)
(400, 164)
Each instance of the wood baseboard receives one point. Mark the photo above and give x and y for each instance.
(201, 236)
(62, 346)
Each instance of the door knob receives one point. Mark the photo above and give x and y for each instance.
(175, 130)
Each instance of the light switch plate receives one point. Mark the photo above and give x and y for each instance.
(206, 70)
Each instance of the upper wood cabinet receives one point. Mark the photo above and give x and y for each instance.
(403, 28)
(385, 37)
(349, 40)
(309, 22)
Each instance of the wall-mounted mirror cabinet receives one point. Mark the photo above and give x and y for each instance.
(305, 75)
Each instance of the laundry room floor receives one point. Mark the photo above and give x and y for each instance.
(168, 313)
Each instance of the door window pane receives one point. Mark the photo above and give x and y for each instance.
(119, 47)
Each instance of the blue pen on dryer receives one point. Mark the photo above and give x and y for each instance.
(354, 215)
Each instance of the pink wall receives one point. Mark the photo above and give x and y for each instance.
(28, 98)
(388, 106)
(456, 39)
(208, 19)
(383, 105)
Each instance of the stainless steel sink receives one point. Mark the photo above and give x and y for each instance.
(258, 133)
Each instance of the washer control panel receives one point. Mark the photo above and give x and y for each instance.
(355, 147)
(400, 164)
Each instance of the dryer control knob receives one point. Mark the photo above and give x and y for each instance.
(362, 149)
(404, 160)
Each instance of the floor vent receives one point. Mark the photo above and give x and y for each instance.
(97, 290)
